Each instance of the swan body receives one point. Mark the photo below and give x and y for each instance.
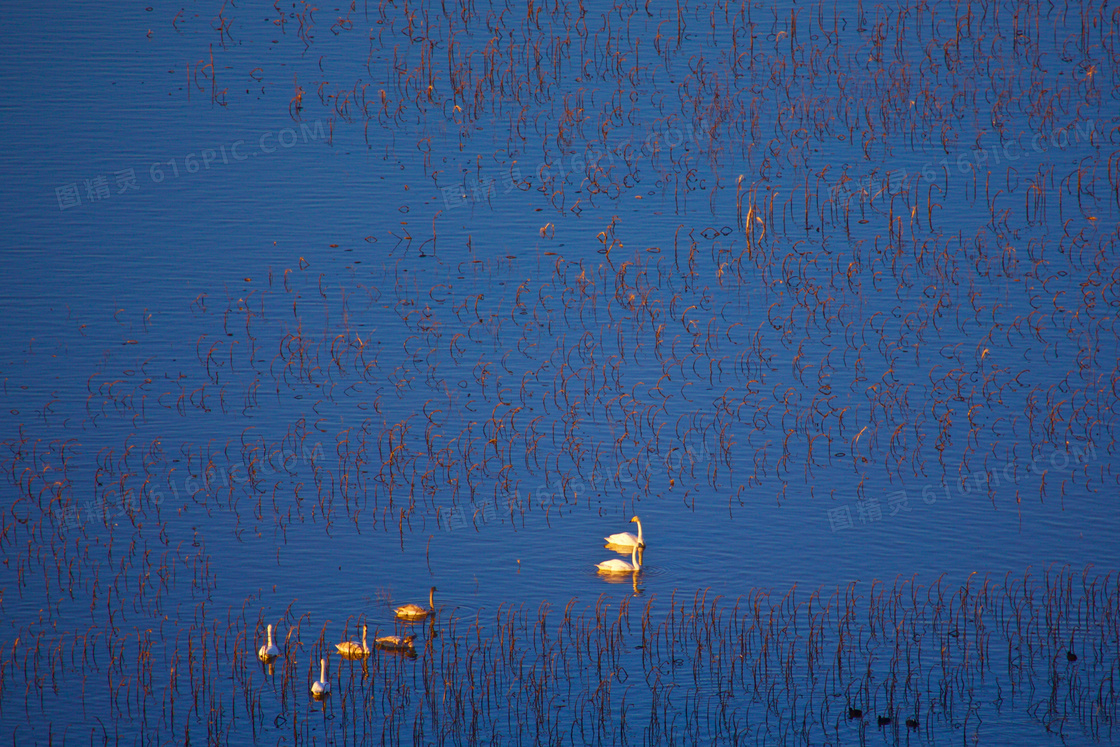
(626, 539)
(269, 650)
(353, 648)
(395, 643)
(321, 687)
(615, 565)
(412, 611)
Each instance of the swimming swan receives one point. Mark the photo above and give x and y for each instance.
(614, 565)
(412, 611)
(268, 651)
(353, 648)
(626, 539)
(395, 643)
(322, 687)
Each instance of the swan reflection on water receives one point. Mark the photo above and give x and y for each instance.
(622, 578)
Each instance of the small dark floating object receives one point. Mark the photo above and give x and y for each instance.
(1070, 656)
(884, 720)
(854, 713)
(912, 723)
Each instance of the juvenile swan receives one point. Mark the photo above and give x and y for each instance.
(614, 565)
(268, 651)
(626, 539)
(395, 643)
(353, 648)
(412, 611)
(322, 687)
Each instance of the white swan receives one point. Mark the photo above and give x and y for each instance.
(614, 565)
(412, 611)
(268, 651)
(626, 539)
(395, 643)
(321, 687)
(353, 648)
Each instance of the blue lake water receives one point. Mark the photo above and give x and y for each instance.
(310, 309)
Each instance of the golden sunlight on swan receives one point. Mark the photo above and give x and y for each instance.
(625, 539)
(395, 643)
(353, 648)
(269, 650)
(412, 611)
(614, 565)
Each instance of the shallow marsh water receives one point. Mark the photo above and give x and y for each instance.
(308, 309)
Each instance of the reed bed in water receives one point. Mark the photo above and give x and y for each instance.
(707, 370)
(793, 666)
(759, 357)
(735, 353)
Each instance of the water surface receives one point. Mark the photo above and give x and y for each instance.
(310, 309)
